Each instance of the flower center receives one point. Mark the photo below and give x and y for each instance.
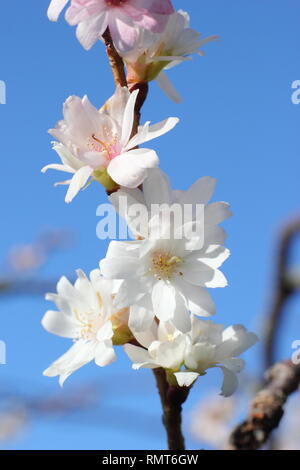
(89, 323)
(110, 147)
(115, 3)
(165, 265)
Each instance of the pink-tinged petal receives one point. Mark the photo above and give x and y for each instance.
(130, 169)
(55, 9)
(78, 182)
(123, 31)
(160, 7)
(89, 31)
(81, 11)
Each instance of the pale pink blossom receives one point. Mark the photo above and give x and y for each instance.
(121, 16)
(98, 144)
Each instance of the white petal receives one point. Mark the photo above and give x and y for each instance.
(104, 354)
(106, 332)
(181, 318)
(139, 356)
(170, 354)
(217, 212)
(230, 382)
(200, 192)
(199, 302)
(78, 182)
(215, 256)
(130, 169)
(140, 319)
(128, 118)
(235, 364)
(199, 274)
(167, 87)
(156, 188)
(163, 299)
(60, 324)
(55, 9)
(236, 340)
(119, 268)
(131, 291)
(153, 132)
(77, 356)
(186, 379)
(148, 336)
(58, 167)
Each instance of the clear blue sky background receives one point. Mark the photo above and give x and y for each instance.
(237, 124)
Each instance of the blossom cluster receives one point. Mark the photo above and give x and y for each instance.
(152, 294)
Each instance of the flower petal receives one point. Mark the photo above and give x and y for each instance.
(128, 118)
(168, 88)
(90, 30)
(130, 169)
(60, 324)
(140, 319)
(139, 356)
(163, 299)
(78, 182)
(186, 379)
(55, 9)
(154, 131)
(230, 382)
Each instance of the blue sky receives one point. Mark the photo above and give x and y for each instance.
(237, 124)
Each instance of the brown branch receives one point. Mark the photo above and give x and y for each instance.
(284, 289)
(267, 408)
(172, 399)
(116, 62)
(143, 88)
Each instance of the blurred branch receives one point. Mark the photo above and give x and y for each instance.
(285, 286)
(267, 408)
(26, 287)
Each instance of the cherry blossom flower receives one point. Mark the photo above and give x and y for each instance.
(157, 192)
(188, 356)
(86, 315)
(121, 16)
(156, 53)
(98, 144)
(168, 274)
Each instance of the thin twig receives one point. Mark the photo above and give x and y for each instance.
(267, 408)
(284, 289)
(116, 62)
(172, 399)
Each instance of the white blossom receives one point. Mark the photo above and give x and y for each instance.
(157, 194)
(86, 315)
(167, 274)
(188, 356)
